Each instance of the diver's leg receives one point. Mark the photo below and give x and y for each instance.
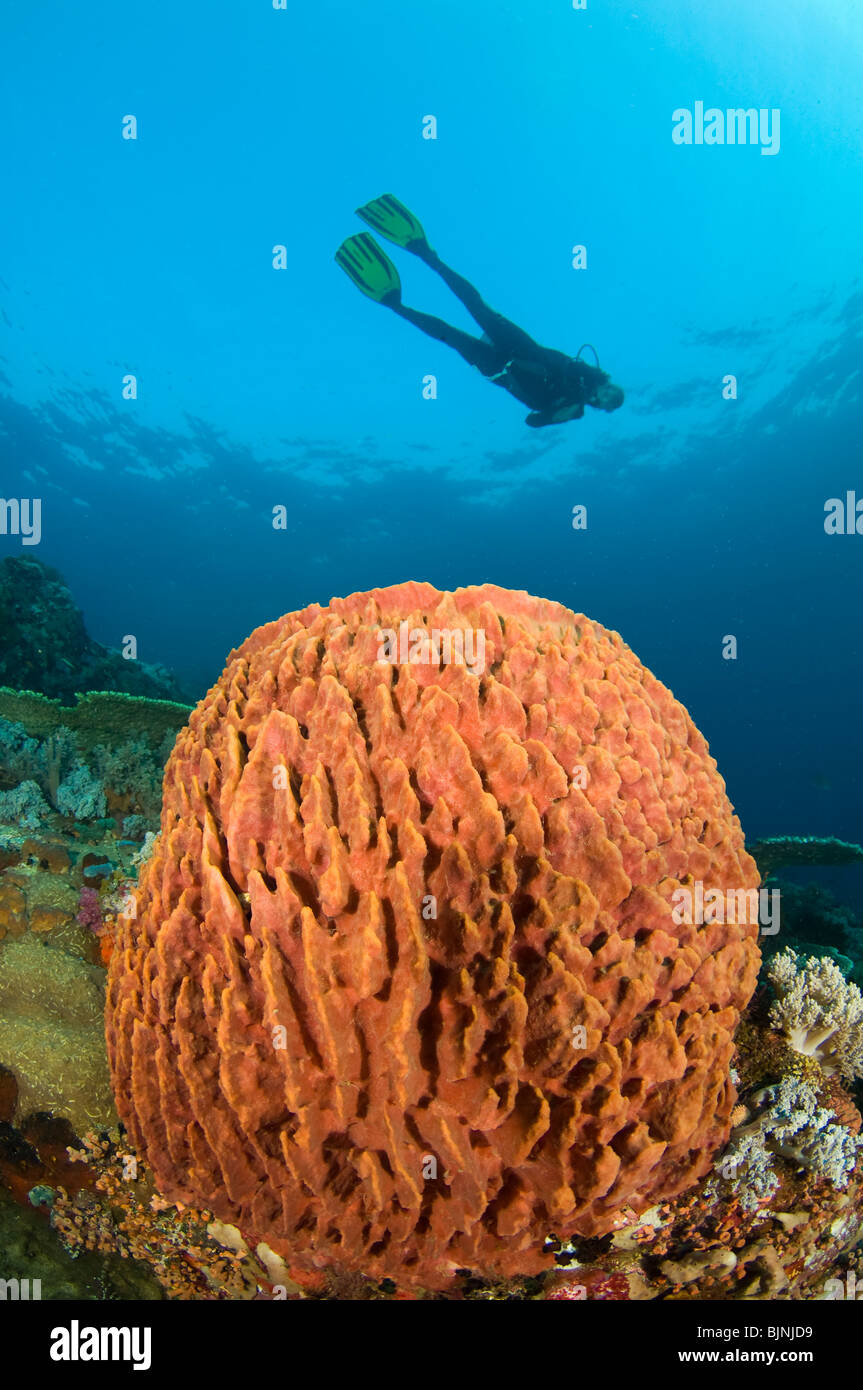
(487, 357)
(504, 334)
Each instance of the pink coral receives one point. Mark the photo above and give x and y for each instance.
(90, 910)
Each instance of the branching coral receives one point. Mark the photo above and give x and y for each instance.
(819, 1011)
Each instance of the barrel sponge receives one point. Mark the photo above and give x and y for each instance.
(405, 989)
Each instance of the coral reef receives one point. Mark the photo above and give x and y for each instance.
(704, 1245)
(815, 923)
(793, 1124)
(64, 873)
(50, 1007)
(44, 644)
(747, 1165)
(818, 1011)
(42, 876)
(404, 988)
(118, 1214)
(90, 910)
(99, 717)
(80, 795)
(32, 897)
(32, 759)
(787, 851)
(790, 1242)
(32, 1251)
(56, 840)
(25, 805)
(121, 779)
(777, 1215)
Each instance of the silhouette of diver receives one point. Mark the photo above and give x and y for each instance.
(555, 386)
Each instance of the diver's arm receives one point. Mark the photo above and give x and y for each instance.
(537, 418)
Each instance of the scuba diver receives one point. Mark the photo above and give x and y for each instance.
(555, 386)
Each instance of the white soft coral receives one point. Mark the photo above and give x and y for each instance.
(806, 1131)
(790, 1123)
(819, 1011)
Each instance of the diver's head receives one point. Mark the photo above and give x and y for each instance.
(607, 396)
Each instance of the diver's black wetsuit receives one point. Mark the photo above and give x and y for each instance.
(539, 377)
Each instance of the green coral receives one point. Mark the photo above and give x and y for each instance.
(52, 1032)
(135, 766)
(43, 761)
(100, 716)
(120, 742)
(794, 850)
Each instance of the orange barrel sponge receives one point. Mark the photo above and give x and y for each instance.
(422, 968)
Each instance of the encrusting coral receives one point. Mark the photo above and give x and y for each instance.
(818, 1011)
(49, 1004)
(404, 991)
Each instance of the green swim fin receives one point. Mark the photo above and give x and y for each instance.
(391, 219)
(370, 269)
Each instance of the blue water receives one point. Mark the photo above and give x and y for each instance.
(259, 387)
